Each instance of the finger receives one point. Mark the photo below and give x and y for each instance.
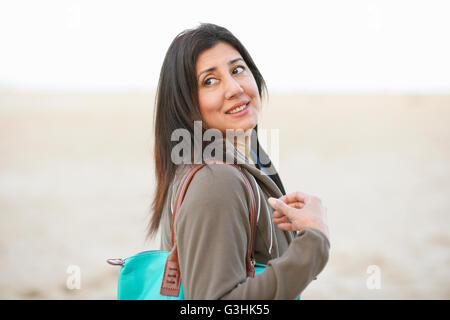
(297, 205)
(277, 214)
(286, 226)
(282, 207)
(289, 199)
(295, 197)
(284, 219)
(278, 205)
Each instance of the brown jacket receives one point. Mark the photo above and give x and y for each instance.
(212, 231)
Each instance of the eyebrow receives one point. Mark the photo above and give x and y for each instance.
(214, 68)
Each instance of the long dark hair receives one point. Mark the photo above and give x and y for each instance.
(177, 100)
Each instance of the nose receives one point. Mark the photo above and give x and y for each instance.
(232, 88)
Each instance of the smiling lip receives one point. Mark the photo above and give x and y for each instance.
(237, 105)
(241, 113)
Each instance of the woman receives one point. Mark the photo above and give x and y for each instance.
(208, 76)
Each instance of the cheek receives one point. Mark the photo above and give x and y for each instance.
(253, 93)
(251, 87)
(209, 104)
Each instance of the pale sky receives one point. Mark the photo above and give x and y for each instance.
(316, 45)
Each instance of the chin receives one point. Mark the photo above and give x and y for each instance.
(243, 124)
(249, 125)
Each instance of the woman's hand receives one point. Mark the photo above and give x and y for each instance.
(299, 210)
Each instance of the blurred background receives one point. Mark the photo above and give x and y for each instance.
(359, 91)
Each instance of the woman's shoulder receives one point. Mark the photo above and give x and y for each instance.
(216, 183)
(216, 196)
(219, 173)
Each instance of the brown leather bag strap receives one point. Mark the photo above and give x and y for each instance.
(172, 278)
(181, 192)
(250, 257)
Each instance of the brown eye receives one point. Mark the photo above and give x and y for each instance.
(208, 81)
(239, 68)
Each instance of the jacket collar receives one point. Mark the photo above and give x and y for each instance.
(249, 164)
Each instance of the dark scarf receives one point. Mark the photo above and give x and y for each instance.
(265, 160)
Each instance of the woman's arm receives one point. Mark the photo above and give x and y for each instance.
(212, 230)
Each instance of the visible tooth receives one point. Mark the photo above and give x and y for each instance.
(238, 109)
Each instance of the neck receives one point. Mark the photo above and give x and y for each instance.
(241, 141)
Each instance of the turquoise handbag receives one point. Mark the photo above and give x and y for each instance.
(134, 282)
(155, 274)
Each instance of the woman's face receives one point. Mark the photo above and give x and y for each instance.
(227, 91)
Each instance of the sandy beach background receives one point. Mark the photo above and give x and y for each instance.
(76, 182)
